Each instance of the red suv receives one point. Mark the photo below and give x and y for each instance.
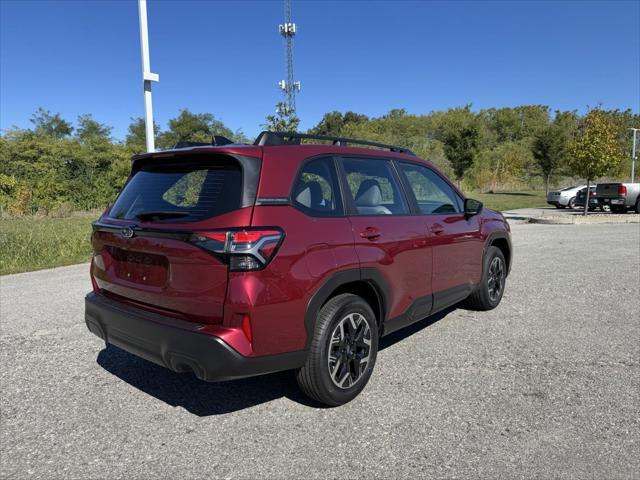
(237, 260)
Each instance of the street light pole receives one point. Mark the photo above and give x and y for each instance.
(147, 76)
(633, 154)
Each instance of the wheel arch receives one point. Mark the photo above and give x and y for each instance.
(367, 283)
(502, 241)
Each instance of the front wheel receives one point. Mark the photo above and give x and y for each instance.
(342, 353)
(488, 292)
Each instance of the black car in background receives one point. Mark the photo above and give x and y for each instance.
(593, 199)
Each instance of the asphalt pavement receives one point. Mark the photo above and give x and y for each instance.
(545, 386)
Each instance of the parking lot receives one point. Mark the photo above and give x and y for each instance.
(545, 386)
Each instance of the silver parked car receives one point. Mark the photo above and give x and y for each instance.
(565, 197)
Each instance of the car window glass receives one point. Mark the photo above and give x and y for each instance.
(373, 187)
(433, 194)
(183, 192)
(316, 190)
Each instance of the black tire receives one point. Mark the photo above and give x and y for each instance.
(559, 206)
(315, 378)
(618, 209)
(484, 297)
(638, 204)
(572, 203)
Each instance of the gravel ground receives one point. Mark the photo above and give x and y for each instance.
(545, 386)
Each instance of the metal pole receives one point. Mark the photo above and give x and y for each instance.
(147, 76)
(633, 154)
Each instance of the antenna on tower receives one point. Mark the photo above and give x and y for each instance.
(288, 86)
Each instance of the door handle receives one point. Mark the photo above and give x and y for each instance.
(437, 229)
(370, 233)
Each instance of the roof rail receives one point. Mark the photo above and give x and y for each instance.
(216, 141)
(292, 138)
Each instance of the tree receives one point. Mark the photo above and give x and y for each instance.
(596, 150)
(136, 138)
(550, 144)
(240, 137)
(48, 125)
(88, 129)
(459, 133)
(282, 121)
(334, 123)
(192, 127)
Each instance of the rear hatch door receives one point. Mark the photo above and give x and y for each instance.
(142, 249)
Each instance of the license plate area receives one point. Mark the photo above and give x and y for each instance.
(139, 267)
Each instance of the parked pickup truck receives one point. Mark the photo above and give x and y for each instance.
(619, 196)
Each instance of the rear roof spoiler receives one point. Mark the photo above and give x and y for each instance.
(216, 141)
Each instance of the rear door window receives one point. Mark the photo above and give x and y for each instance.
(180, 192)
(373, 187)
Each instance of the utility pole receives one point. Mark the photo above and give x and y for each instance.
(633, 154)
(147, 76)
(289, 86)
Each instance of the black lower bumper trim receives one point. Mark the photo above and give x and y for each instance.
(177, 344)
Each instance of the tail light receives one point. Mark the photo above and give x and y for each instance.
(622, 190)
(243, 250)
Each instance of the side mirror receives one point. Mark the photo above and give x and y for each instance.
(472, 207)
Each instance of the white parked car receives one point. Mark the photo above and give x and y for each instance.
(565, 197)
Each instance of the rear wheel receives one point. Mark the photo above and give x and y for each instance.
(343, 351)
(572, 203)
(488, 292)
(618, 209)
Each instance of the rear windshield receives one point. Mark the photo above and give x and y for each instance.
(180, 192)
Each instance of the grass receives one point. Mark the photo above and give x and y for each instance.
(503, 201)
(33, 243)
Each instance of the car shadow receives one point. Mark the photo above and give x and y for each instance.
(206, 399)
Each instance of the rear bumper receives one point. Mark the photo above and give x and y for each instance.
(618, 201)
(176, 344)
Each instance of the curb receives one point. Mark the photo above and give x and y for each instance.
(588, 220)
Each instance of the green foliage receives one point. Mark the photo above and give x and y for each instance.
(334, 123)
(596, 151)
(550, 143)
(282, 121)
(33, 243)
(499, 166)
(89, 130)
(186, 191)
(504, 201)
(460, 136)
(49, 170)
(192, 127)
(46, 170)
(45, 124)
(136, 135)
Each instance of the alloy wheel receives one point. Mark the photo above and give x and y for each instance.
(349, 350)
(495, 282)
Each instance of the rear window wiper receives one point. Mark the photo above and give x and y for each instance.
(161, 214)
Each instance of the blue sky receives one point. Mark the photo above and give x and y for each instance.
(226, 57)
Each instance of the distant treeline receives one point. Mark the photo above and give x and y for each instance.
(56, 166)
